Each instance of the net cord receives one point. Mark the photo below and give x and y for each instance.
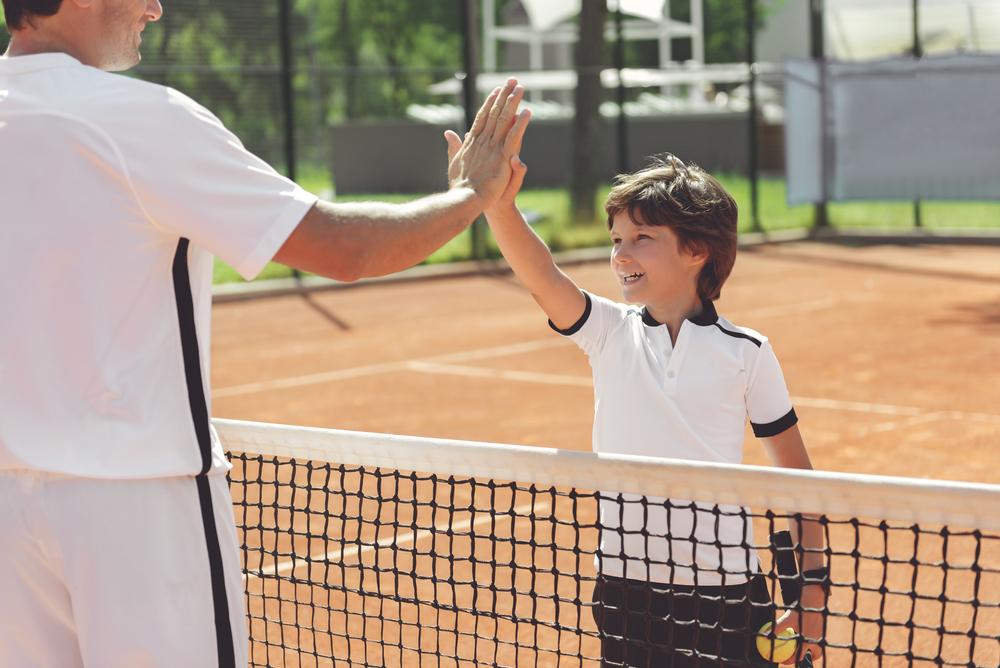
(897, 499)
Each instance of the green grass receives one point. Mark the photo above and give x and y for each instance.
(552, 208)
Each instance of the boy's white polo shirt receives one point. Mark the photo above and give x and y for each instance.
(117, 193)
(689, 401)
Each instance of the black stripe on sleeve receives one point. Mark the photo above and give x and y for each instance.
(199, 414)
(786, 421)
(738, 335)
(575, 327)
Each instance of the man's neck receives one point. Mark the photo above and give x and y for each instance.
(29, 42)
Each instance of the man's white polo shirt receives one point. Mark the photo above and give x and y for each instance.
(115, 194)
(689, 401)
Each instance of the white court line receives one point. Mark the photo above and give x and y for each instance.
(464, 356)
(924, 415)
(502, 374)
(789, 309)
(340, 555)
(373, 369)
(893, 425)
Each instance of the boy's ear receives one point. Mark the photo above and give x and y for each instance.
(698, 253)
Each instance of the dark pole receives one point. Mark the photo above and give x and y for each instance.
(470, 47)
(918, 52)
(816, 31)
(287, 95)
(623, 167)
(751, 36)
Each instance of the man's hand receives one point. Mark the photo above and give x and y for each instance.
(484, 160)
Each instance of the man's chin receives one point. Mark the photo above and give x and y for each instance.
(123, 62)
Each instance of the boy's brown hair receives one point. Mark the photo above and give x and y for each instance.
(690, 202)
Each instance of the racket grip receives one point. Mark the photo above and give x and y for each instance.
(787, 567)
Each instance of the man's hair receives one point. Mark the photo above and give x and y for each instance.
(17, 11)
(690, 202)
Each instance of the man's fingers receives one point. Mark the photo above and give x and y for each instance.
(505, 118)
(483, 114)
(454, 144)
(512, 144)
(493, 115)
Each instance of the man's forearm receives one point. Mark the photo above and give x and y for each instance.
(353, 240)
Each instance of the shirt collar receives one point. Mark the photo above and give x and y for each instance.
(37, 61)
(708, 316)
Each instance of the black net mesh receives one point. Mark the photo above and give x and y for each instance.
(365, 566)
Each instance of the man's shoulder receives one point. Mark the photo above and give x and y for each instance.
(124, 97)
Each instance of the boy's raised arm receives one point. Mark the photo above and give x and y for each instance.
(527, 254)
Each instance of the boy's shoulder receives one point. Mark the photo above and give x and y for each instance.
(735, 331)
(620, 308)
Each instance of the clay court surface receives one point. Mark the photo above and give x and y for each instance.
(890, 352)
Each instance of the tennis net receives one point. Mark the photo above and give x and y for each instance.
(371, 549)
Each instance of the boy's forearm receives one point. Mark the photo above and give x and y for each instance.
(525, 252)
(808, 534)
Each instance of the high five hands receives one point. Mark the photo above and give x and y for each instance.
(487, 159)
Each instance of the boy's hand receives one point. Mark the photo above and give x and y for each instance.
(808, 625)
(486, 160)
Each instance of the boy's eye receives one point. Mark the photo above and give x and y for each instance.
(643, 236)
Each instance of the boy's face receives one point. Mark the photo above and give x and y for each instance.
(650, 265)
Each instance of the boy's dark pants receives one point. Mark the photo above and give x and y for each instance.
(661, 626)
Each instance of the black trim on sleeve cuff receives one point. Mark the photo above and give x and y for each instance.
(575, 327)
(786, 421)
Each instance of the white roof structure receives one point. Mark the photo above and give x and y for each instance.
(871, 29)
(547, 14)
(548, 24)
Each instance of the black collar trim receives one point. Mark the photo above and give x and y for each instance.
(708, 316)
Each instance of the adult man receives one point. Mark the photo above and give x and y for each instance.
(117, 544)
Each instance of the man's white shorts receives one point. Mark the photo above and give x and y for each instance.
(119, 573)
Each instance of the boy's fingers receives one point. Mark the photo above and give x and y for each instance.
(454, 144)
(518, 170)
(512, 144)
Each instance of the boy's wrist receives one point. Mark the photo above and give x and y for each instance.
(501, 209)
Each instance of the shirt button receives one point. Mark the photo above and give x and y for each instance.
(670, 374)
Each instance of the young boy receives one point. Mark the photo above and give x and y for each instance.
(678, 585)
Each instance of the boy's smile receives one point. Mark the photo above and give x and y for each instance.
(651, 267)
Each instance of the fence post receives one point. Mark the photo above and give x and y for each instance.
(751, 35)
(470, 95)
(918, 53)
(623, 167)
(816, 31)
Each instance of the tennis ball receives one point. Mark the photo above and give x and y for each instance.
(779, 649)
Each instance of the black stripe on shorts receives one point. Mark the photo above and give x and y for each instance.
(199, 415)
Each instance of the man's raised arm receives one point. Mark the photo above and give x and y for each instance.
(354, 240)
